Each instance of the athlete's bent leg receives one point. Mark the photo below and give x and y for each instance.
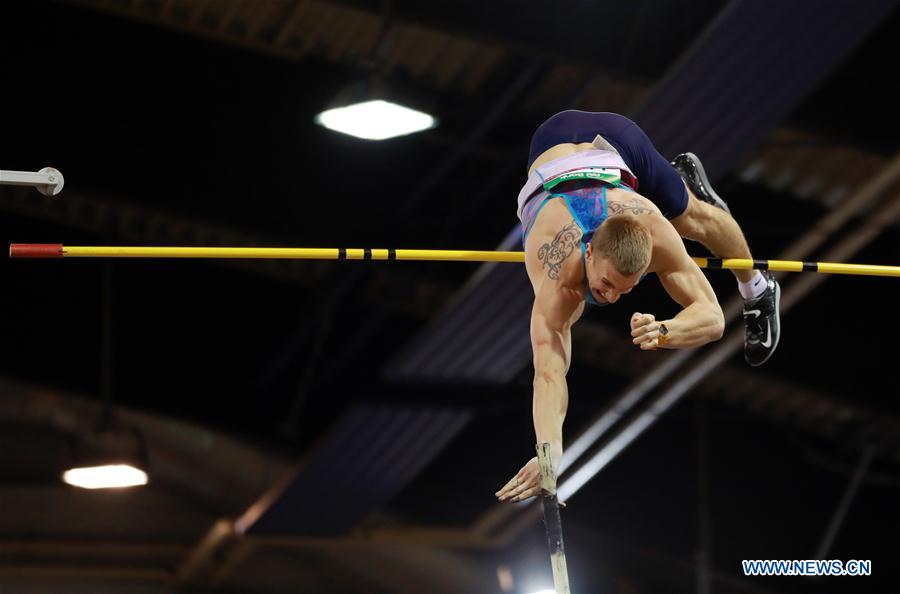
(716, 230)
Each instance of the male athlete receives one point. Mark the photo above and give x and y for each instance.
(590, 237)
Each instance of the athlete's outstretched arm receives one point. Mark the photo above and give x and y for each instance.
(555, 310)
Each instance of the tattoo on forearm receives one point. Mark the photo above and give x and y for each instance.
(633, 206)
(553, 254)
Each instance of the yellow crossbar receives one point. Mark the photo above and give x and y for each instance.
(30, 250)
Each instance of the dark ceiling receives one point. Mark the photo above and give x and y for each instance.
(218, 137)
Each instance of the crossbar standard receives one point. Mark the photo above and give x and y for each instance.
(56, 250)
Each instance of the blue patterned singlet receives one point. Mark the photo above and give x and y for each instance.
(586, 201)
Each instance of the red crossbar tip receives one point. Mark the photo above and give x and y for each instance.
(36, 250)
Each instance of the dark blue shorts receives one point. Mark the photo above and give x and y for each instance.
(657, 179)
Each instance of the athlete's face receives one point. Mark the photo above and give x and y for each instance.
(605, 282)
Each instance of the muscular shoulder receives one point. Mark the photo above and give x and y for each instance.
(556, 252)
(553, 262)
(553, 249)
(623, 202)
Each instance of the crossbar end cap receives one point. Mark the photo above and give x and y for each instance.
(57, 182)
(36, 250)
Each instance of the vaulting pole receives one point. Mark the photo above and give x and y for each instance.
(57, 250)
(552, 520)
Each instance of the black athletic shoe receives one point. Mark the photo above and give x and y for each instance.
(763, 324)
(691, 170)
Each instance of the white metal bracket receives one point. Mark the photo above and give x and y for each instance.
(48, 181)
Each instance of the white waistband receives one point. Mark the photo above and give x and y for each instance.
(556, 167)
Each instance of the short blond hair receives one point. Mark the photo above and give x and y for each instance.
(625, 243)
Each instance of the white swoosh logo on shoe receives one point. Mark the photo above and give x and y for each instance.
(756, 313)
(768, 341)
